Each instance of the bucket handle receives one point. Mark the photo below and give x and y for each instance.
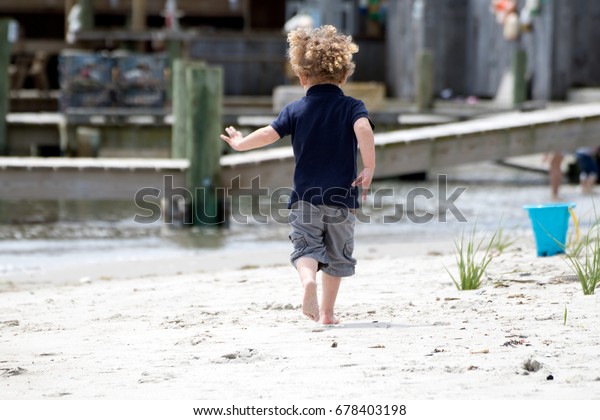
(576, 224)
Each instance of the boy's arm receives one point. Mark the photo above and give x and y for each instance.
(259, 138)
(366, 144)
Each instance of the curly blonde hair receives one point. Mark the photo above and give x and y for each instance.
(321, 54)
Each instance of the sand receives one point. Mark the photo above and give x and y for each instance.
(235, 331)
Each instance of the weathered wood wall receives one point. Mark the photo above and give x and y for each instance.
(560, 49)
(254, 64)
(585, 57)
(401, 50)
(205, 7)
(471, 54)
(488, 54)
(440, 28)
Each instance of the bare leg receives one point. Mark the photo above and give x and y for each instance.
(307, 269)
(592, 180)
(587, 184)
(331, 285)
(555, 174)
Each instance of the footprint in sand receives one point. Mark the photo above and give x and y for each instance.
(242, 356)
(57, 395)
(281, 307)
(155, 377)
(8, 372)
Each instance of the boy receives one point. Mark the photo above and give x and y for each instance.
(326, 126)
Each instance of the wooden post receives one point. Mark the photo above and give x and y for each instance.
(178, 207)
(174, 53)
(138, 15)
(519, 68)
(138, 21)
(4, 83)
(205, 102)
(247, 15)
(87, 14)
(197, 107)
(179, 133)
(424, 80)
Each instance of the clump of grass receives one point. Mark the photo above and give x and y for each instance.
(584, 260)
(472, 260)
(576, 246)
(502, 241)
(575, 242)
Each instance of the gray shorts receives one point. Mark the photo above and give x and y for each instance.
(325, 234)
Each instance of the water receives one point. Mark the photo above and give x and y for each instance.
(40, 236)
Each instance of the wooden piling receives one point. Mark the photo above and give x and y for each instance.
(205, 87)
(138, 15)
(174, 49)
(87, 14)
(138, 20)
(179, 132)
(197, 107)
(424, 80)
(4, 83)
(519, 68)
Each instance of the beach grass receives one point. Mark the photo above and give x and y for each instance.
(576, 245)
(502, 241)
(584, 259)
(472, 258)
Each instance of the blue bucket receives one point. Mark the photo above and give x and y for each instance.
(550, 224)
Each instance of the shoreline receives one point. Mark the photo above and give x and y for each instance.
(274, 254)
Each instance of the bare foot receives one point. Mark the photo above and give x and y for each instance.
(329, 319)
(310, 303)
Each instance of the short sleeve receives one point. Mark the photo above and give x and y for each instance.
(359, 110)
(282, 125)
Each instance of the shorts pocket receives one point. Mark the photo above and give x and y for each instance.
(298, 241)
(351, 215)
(349, 249)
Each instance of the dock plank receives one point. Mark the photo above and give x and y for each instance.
(399, 152)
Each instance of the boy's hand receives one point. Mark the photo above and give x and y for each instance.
(233, 137)
(259, 138)
(364, 181)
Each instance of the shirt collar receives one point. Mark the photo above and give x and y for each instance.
(324, 88)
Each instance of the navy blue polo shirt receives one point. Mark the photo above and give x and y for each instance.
(325, 147)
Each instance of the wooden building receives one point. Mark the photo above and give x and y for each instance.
(471, 54)
(246, 38)
(141, 24)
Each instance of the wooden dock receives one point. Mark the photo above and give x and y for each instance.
(85, 178)
(424, 149)
(398, 152)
